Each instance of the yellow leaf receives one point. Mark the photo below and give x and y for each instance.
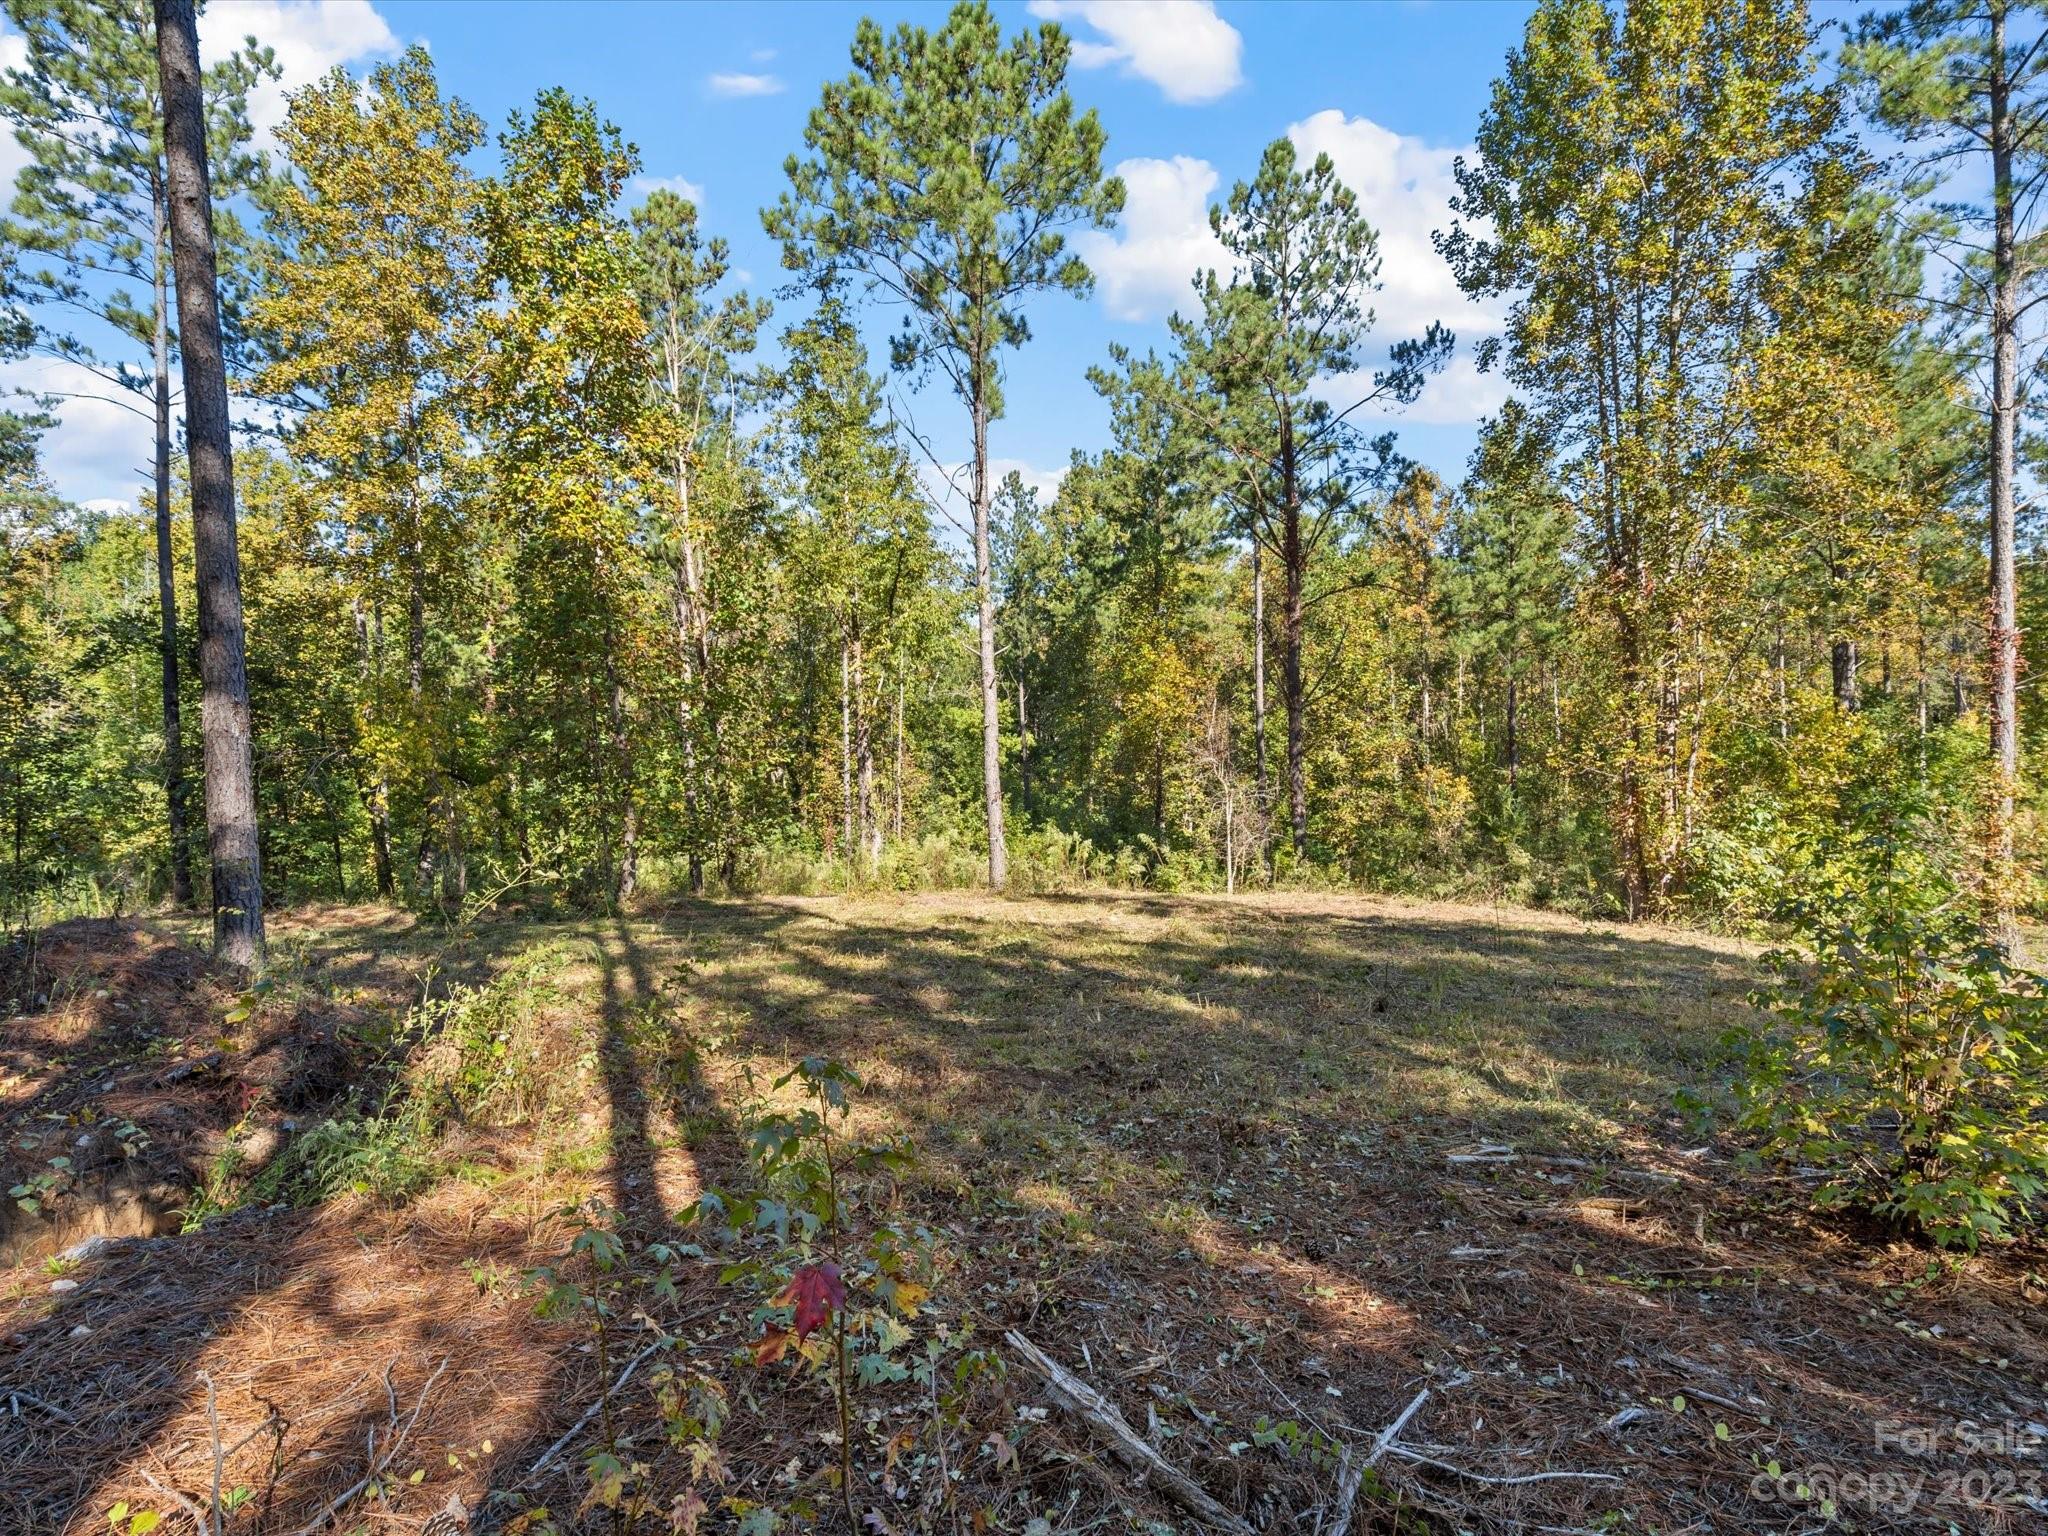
(910, 1296)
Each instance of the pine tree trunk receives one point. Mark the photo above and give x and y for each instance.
(166, 579)
(1513, 746)
(224, 698)
(1261, 787)
(991, 717)
(2003, 640)
(848, 840)
(1292, 612)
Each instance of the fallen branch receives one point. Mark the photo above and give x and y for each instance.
(1409, 1453)
(1351, 1478)
(547, 1457)
(1073, 1395)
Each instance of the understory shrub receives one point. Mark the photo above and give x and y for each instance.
(1904, 1058)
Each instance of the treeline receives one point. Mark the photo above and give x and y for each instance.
(554, 583)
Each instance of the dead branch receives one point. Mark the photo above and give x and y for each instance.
(1073, 1395)
(548, 1456)
(1350, 1478)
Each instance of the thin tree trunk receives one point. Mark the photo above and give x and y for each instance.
(1514, 754)
(166, 578)
(864, 761)
(376, 795)
(224, 698)
(1293, 609)
(2003, 641)
(896, 779)
(1842, 664)
(1023, 746)
(848, 839)
(984, 593)
(1261, 787)
(628, 875)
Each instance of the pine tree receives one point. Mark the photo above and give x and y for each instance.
(1970, 78)
(1293, 318)
(943, 170)
(231, 834)
(94, 204)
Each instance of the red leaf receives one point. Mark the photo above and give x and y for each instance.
(771, 1347)
(815, 1290)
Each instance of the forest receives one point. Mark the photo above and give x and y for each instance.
(585, 821)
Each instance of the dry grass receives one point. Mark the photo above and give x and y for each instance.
(1195, 1148)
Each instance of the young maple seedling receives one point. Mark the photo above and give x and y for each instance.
(613, 1273)
(817, 1270)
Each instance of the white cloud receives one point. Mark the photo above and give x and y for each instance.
(309, 38)
(1182, 46)
(762, 55)
(1457, 397)
(952, 487)
(682, 186)
(1143, 271)
(1404, 189)
(736, 84)
(101, 451)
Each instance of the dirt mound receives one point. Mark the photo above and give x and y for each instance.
(127, 1068)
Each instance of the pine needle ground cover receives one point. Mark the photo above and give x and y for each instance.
(1258, 1172)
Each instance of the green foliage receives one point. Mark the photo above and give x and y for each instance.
(1906, 1059)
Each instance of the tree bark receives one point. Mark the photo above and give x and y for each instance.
(1513, 745)
(1842, 663)
(847, 836)
(1262, 788)
(1292, 610)
(224, 697)
(2004, 639)
(166, 578)
(984, 593)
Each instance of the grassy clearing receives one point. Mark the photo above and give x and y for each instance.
(1204, 1151)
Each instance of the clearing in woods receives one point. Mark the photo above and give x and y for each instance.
(1240, 1164)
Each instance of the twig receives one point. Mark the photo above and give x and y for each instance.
(200, 1523)
(1069, 1392)
(548, 1456)
(16, 1397)
(391, 1449)
(1410, 1454)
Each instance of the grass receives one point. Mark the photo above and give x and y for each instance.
(1202, 1148)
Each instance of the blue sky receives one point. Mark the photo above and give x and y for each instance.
(715, 96)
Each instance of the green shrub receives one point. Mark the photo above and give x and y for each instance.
(390, 1156)
(1904, 1058)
